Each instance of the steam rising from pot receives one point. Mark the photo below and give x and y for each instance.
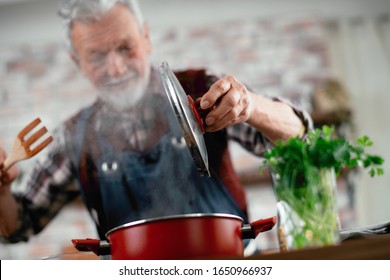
(138, 128)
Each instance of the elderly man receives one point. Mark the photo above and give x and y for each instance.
(120, 151)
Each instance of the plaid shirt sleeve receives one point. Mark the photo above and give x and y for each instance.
(253, 141)
(48, 187)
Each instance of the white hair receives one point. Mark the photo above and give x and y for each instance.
(87, 10)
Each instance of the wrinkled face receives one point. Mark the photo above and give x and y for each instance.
(114, 54)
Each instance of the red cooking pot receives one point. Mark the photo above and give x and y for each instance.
(192, 236)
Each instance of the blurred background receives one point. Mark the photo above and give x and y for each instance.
(331, 57)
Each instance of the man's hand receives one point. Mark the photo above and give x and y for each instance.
(6, 177)
(230, 103)
(9, 217)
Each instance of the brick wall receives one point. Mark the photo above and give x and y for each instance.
(272, 56)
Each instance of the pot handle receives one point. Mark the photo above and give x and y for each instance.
(199, 113)
(92, 245)
(253, 229)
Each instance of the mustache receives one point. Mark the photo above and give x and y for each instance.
(113, 81)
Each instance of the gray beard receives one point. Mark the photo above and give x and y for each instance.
(122, 100)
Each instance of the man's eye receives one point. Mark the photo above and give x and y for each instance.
(96, 57)
(125, 50)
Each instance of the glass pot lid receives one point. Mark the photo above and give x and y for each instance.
(188, 117)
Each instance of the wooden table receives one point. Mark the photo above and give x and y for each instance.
(376, 247)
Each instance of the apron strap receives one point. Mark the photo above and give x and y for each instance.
(79, 135)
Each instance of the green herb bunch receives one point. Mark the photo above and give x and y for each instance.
(294, 160)
(304, 179)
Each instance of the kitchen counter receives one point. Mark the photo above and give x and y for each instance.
(375, 247)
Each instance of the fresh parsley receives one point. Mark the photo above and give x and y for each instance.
(293, 160)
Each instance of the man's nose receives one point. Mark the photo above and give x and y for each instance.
(115, 65)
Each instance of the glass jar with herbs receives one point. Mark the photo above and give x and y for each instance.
(304, 172)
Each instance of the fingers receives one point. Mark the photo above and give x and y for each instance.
(217, 90)
(2, 155)
(231, 103)
(6, 177)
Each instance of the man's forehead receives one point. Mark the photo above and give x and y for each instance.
(103, 42)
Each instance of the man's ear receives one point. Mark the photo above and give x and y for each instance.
(74, 58)
(148, 44)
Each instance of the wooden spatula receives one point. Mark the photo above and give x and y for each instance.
(23, 148)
